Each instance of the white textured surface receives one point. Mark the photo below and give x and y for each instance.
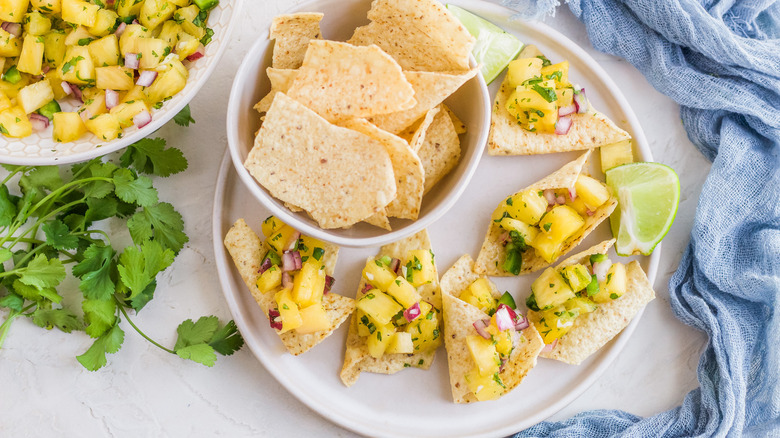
(146, 392)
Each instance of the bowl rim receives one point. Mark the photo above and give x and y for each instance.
(146, 131)
(285, 215)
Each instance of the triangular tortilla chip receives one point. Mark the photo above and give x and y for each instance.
(588, 130)
(491, 257)
(430, 89)
(339, 176)
(420, 34)
(459, 317)
(438, 148)
(460, 127)
(356, 357)
(408, 170)
(247, 250)
(593, 330)
(291, 34)
(379, 219)
(280, 79)
(341, 81)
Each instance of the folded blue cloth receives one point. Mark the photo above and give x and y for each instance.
(720, 60)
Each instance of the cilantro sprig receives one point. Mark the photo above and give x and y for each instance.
(56, 221)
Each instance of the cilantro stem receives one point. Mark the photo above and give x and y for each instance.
(7, 325)
(14, 172)
(64, 187)
(122, 309)
(38, 222)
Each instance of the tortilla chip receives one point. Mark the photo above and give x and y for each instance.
(593, 330)
(460, 127)
(588, 130)
(339, 176)
(421, 35)
(408, 170)
(356, 357)
(341, 81)
(459, 317)
(430, 89)
(291, 34)
(492, 255)
(415, 133)
(247, 250)
(280, 79)
(438, 149)
(379, 219)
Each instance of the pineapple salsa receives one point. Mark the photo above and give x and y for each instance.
(563, 294)
(391, 315)
(494, 339)
(294, 271)
(112, 62)
(545, 219)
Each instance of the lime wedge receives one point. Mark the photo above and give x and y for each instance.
(648, 195)
(494, 48)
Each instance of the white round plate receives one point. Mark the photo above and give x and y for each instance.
(40, 149)
(414, 402)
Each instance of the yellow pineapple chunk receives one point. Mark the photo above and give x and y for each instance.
(187, 17)
(553, 323)
(125, 112)
(484, 354)
(308, 284)
(593, 192)
(311, 248)
(151, 51)
(31, 58)
(54, 47)
(420, 268)
(527, 232)
(94, 103)
(134, 95)
(104, 23)
(105, 51)
(504, 343)
(558, 225)
(47, 6)
(37, 24)
(128, 8)
(155, 12)
(79, 34)
(270, 224)
(13, 10)
(528, 206)
(288, 311)
(425, 330)
(14, 123)
(403, 292)
(550, 289)
(400, 342)
(114, 77)
(616, 154)
(79, 12)
(5, 102)
(379, 306)
(77, 66)
(378, 275)
(315, 319)
(10, 46)
(35, 95)
(166, 85)
(577, 276)
(378, 341)
(270, 279)
(186, 46)
(614, 286)
(480, 295)
(279, 241)
(485, 387)
(565, 96)
(559, 73)
(130, 37)
(68, 127)
(170, 33)
(104, 126)
(522, 69)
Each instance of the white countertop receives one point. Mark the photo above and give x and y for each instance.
(146, 392)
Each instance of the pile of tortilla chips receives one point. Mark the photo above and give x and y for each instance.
(357, 131)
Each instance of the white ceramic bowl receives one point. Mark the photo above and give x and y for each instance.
(40, 149)
(471, 103)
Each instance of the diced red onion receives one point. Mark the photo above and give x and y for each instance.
(549, 195)
(37, 77)
(292, 241)
(560, 199)
(549, 347)
(85, 115)
(589, 212)
(110, 3)
(504, 238)
(14, 29)
(274, 317)
(521, 323)
(200, 53)
(511, 311)
(367, 288)
(503, 363)
(394, 264)
(287, 281)
(297, 258)
(112, 99)
(120, 29)
(146, 78)
(288, 262)
(412, 312)
(131, 60)
(328, 284)
(572, 193)
(135, 22)
(563, 125)
(566, 110)
(265, 265)
(600, 269)
(142, 119)
(45, 69)
(481, 327)
(504, 320)
(38, 122)
(76, 91)
(581, 101)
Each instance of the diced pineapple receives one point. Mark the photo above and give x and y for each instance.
(522, 69)
(128, 8)
(151, 52)
(270, 224)
(308, 284)
(400, 342)
(270, 279)
(484, 354)
(94, 103)
(134, 95)
(54, 47)
(592, 191)
(31, 58)
(79, 12)
(125, 112)
(114, 77)
(5, 102)
(559, 73)
(288, 310)
(614, 286)
(186, 46)
(315, 319)
(403, 292)
(378, 275)
(56, 84)
(364, 325)
(105, 51)
(534, 106)
(420, 268)
(504, 342)
(550, 289)
(425, 330)
(130, 37)
(527, 232)
(13, 10)
(35, 95)
(104, 23)
(180, 3)
(280, 240)
(378, 341)
(170, 33)
(485, 387)
(105, 126)
(616, 154)
(10, 46)
(166, 85)
(68, 127)
(79, 36)
(480, 295)
(155, 12)
(46, 6)
(187, 18)
(528, 206)
(557, 226)
(565, 96)
(311, 248)
(580, 305)
(577, 276)
(37, 24)
(14, 123)
(77, 66)
(379, 306)
(553, 323)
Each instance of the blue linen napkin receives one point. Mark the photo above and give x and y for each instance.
(720, 60)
